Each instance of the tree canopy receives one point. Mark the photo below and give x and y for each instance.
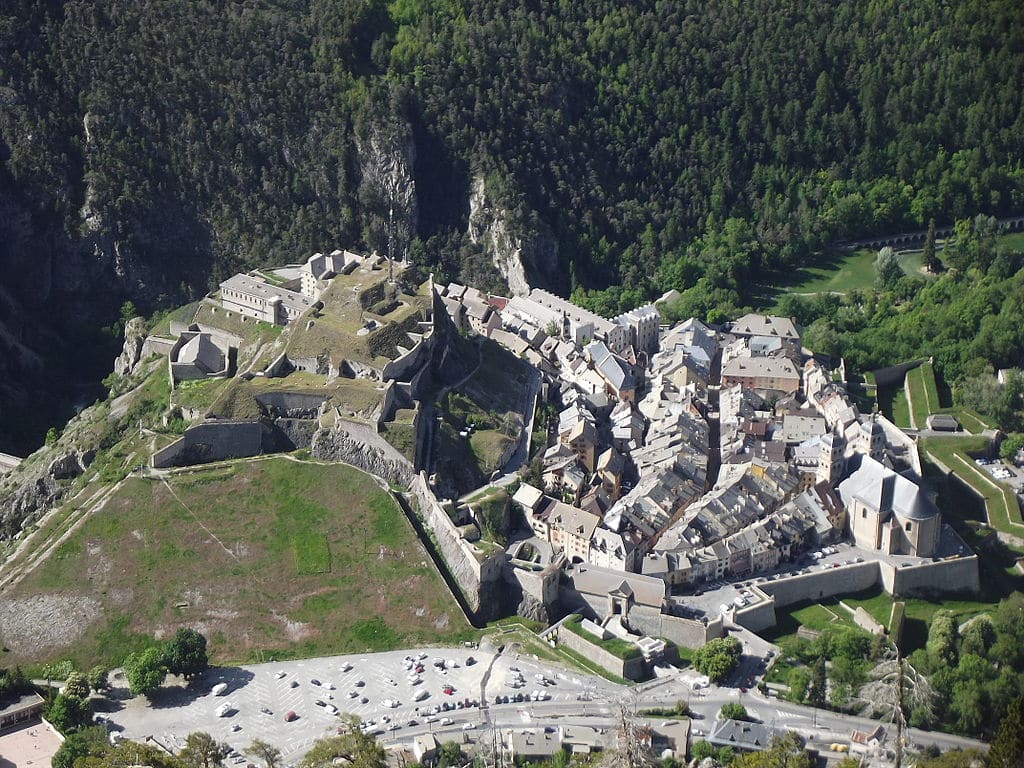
(717, 658)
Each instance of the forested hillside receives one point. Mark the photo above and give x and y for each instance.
(150, 148)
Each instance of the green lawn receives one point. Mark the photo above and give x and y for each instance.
(621, 648)
(924, 395)
(1014, 241)
(892, 401)
(844, 271)
(817, 616)
(828, 613)
(918, 612)
(272, 557)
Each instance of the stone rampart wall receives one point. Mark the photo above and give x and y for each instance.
(212, 441)
(537, 592)
(901, 443)
(942, 576)
(405, 366)
(279, 366)
(221, 338)
(295, 405)
(887, 377)
(630, 669)
(819, 584)
(157, 345)
(757, 617)
(476, 575)
(688, 633)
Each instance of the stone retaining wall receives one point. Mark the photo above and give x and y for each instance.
(629, 669)
(944, 576)
(212, 441)
(818, 584)
(478, 576)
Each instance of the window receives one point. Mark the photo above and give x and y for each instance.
(863, 513)
(908, 526)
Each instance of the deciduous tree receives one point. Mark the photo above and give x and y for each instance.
(145, 671)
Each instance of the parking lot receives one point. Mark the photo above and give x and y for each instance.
(373, 687)
(710, 599)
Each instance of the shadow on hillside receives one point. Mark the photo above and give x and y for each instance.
(176, 692)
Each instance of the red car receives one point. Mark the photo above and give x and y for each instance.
(448, 690)
(290, 716)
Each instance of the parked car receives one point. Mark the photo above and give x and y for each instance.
(290, 716)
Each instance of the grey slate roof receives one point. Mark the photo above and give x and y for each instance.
(882, 490)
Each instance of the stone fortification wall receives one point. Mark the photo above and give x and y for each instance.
(221, 338)
(759, 616)
(956, 575)
(901, 444)
(212, 441)
(590, 606)
(688, 633)
(292, 405)
(157, 345)
(478, 577)
(280, 366)
(819, 584)
(360, 445)
(887, 377)
(404, 367)
(535, 592)
(297, 433)
(629, 669)
(386, 411)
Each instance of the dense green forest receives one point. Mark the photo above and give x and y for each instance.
(150, 148)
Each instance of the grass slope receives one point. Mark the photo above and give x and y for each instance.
(924, 394)
(956, 454)
(834, 271)
(270, 557)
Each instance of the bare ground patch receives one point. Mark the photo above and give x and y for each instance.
(41, 622)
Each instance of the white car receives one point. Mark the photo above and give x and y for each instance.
(280, 673)
(219, 689)
(346, 667)
(431, 718)
(223, 709)
(446, 721)
(331, 709)
(468, 726)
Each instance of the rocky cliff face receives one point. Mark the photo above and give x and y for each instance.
(387, 190)
(524, 259)
(41, 481)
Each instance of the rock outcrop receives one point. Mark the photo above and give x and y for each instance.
(360, 446)
(131, 353)
(526, 259)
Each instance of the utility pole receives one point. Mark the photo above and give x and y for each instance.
(899, 709)
(391, 244)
